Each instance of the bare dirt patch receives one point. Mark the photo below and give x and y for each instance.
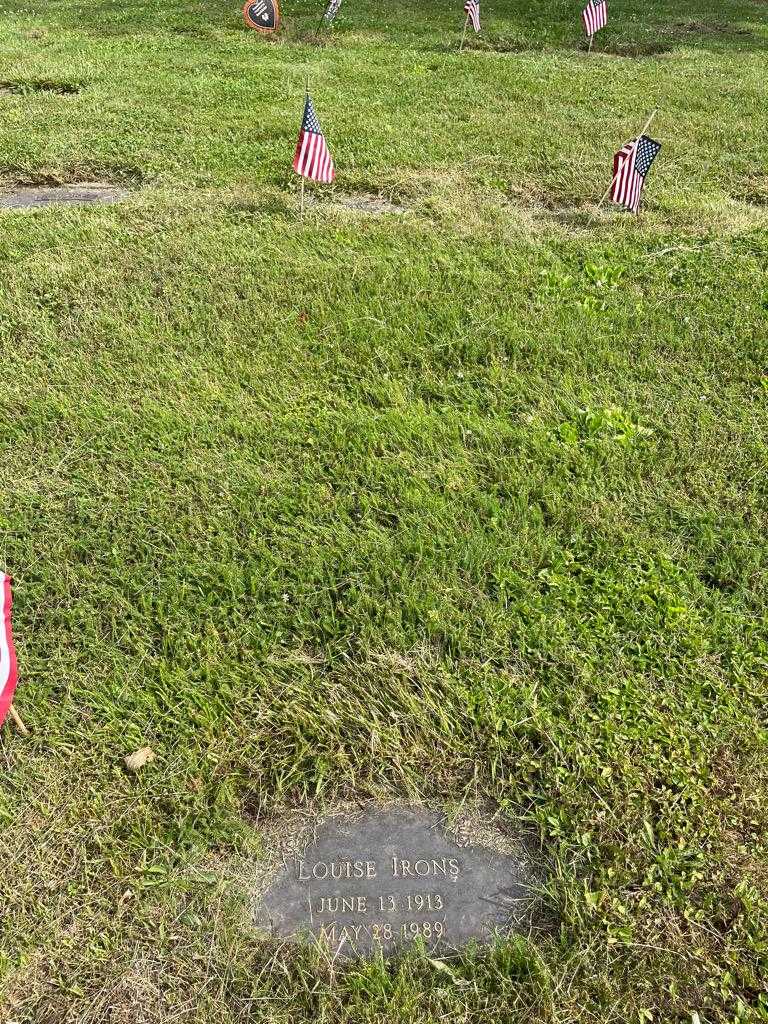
(32, 197)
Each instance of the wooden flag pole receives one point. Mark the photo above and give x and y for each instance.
(591, 40)
(464, 33)
(613, 179)
(16, 718)
(647, 124)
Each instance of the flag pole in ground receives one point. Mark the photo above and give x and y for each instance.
(16, 718)
(301, 209)
(646, 126)
(593, 18)
(312, 158)
(320, 25)
(464, 33)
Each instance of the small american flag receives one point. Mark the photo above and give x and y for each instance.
(472, 7)
(630, 167)
(7, 650)
(595, 16)
(313, 158)
(331, 11)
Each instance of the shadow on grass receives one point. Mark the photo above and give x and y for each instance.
(21, 87)
(755, 191)
(636, 50)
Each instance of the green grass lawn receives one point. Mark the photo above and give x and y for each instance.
(468, 503)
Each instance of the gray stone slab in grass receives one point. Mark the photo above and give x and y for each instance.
(25, 197)
(393, 875)
(361, 202)
(367, 202)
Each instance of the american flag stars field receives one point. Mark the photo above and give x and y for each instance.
(630, 169)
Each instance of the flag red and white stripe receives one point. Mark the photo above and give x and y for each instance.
(313, 158)
(8, 672)
(630, 167)
(595, 16)
(472, 7)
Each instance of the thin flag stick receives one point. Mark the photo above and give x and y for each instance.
(591, 40)
(464, 33)
(306, 96)
(16, 717)
(618, 172)
(322, 19)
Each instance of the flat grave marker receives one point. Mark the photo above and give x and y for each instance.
(391, 876)
(25, 197)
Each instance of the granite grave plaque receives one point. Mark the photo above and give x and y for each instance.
(390, 876)
(34, 196)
